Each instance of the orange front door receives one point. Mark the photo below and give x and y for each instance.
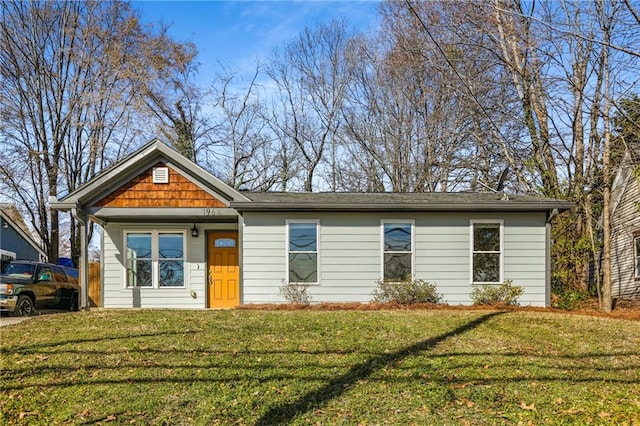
(223, 283)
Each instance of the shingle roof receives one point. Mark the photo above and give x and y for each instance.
(12, 213)
(394, 201)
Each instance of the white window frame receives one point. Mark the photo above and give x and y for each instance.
(500, 222)
(636, 257)
(412, 222)
(155, 257)
(287, 253)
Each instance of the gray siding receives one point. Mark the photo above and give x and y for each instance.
(350, 254)
(115, 295)
(624, 224)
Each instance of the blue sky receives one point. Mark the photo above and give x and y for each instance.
(238, 33)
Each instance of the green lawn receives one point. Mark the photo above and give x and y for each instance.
(320, 367)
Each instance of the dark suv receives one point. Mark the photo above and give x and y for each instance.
(29, 286)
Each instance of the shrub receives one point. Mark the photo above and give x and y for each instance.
(568, 299)
(296, 293)
(406, 292)
(497, 294)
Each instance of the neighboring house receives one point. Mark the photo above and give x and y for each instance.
(16, 241)
(625, 228)
(173, 235)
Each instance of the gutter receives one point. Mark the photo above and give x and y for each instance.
(60, 205)
(431, 207)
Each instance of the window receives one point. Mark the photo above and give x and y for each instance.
(155, 259)
(224, 243)
(302, 260)
(486, 256)
(139, 262)
(19, 270)
(45, 274)
(58, 274)
(397, 250)
(7, 255)
(171, 260)
(636, 244)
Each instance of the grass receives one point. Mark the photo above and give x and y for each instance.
(320, 367)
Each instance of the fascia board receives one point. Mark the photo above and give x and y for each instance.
(431, 207)
(178, 214)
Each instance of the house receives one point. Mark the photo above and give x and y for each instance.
(16, 241)
(173, 235)
(625, 228)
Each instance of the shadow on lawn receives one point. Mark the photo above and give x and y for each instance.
(37, 346)
(285, 413)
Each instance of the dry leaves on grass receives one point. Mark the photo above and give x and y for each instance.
(524, 406)
(624, 309)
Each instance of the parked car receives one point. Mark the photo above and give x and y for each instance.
(27, 287)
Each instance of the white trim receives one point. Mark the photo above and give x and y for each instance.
(412, 222)
(8, 253)
(286, 270)
(499, 222)
(155, 260)
(620, 181)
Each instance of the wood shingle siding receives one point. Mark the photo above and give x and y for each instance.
(142, 192)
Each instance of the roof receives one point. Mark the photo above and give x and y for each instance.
(127, 168)
(13, 217)
(395, 201)
(123, 171)
(11, 212)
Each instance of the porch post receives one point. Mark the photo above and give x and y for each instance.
(84, 259)
(84, 271)
(547, 257)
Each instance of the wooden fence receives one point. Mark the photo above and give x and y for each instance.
(94, 284)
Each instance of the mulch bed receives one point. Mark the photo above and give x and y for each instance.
(623, 309)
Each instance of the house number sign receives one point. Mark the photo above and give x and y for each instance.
(225, 242)
(211, 212)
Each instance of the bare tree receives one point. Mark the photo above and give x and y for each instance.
(71, 75)
(311, 78)
(250, 159)
(173, 98)
(418, 108)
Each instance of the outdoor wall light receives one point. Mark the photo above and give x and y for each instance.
(194, 231)
(5, 225)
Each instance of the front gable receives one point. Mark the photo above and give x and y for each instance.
(127, 190)
(142, 191)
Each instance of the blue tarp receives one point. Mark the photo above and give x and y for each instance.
(65, 261)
